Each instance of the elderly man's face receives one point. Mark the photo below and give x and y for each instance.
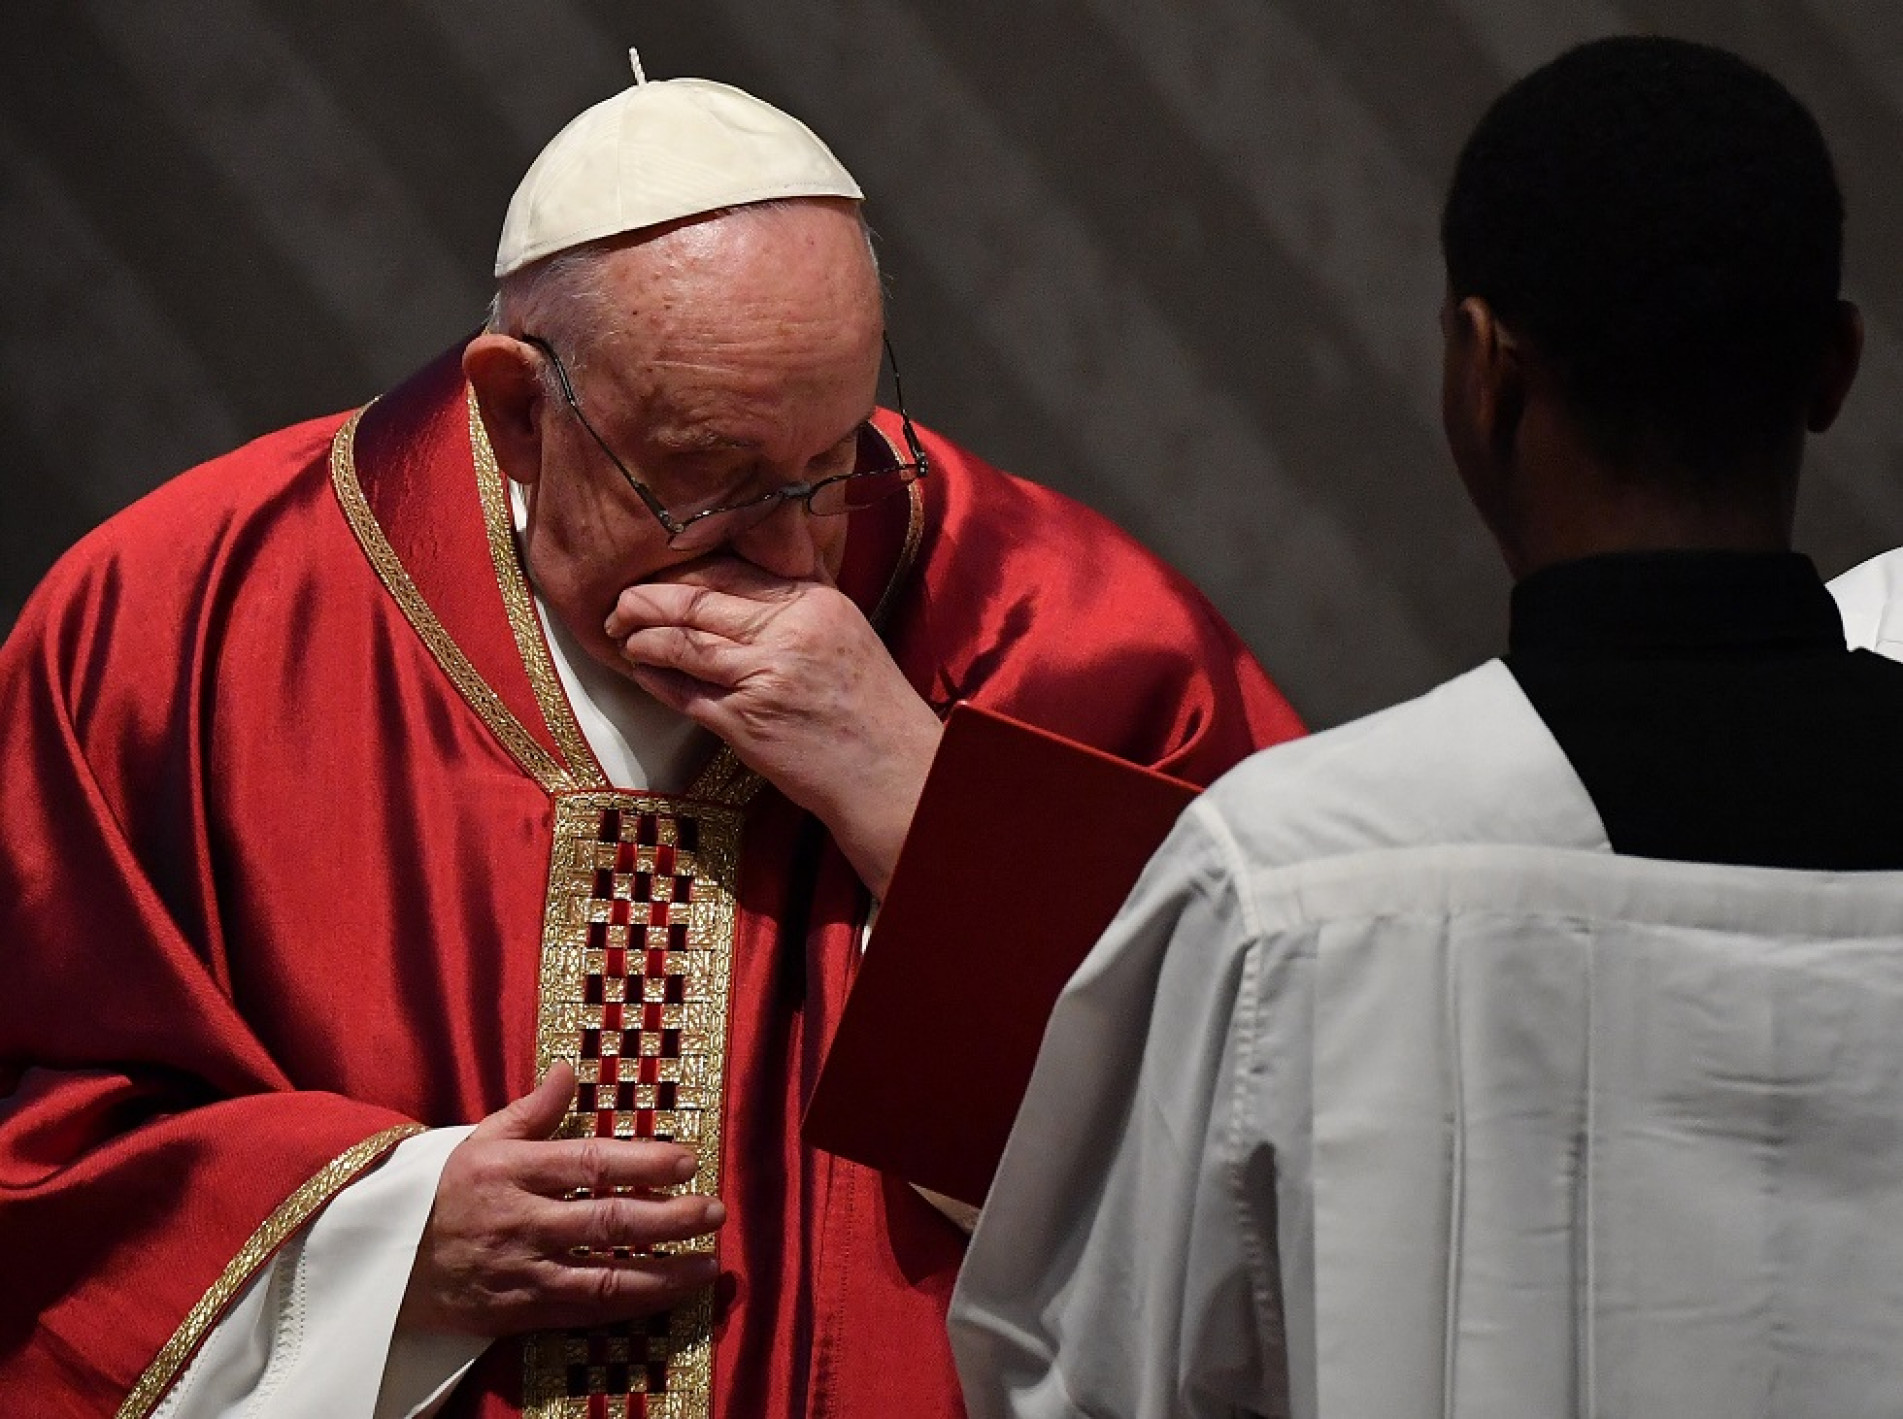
(748, 360)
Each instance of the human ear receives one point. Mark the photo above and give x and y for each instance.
(1483, 402)
(1483, 387)
(1842, 353)
(505, 374)
(1496, 372)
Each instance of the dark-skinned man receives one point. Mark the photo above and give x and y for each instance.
(1466, 1060)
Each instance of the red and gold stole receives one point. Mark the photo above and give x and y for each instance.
(637, 956)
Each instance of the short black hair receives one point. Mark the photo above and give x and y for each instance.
(1661, 220)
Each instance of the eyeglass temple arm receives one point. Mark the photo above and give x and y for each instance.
(654, 505)
(912, 444)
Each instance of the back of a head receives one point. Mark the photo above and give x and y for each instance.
(1662, 222)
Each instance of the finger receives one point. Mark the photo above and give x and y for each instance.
(681, 693)
(724, 613)
(699, 655)
(598, 1293)
(537, 1113)
(715, 708)
(584, 1228)
(600, 1165)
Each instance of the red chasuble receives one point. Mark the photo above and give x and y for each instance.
(304, 852)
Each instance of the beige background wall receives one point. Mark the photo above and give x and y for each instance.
(1175, 257)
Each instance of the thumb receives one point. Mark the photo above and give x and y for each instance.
(537, 1113)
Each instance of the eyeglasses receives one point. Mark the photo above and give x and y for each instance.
(877, 475)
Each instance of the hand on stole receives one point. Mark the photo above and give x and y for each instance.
(519, 1235)
(794, 678)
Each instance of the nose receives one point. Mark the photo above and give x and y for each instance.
(786, 542)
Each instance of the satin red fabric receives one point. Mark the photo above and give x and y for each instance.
(269, 887)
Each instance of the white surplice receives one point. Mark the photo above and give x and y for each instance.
(1870, 597)
(1332, 1123)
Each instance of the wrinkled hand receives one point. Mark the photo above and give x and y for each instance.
(793, 677)
(499, 1252)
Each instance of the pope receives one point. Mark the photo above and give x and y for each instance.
(439, 839)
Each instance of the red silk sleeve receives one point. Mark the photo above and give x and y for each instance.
(1037, 607)
(147, 1136)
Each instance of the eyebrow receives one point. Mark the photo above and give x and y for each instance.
(702, 440)
(705, 440)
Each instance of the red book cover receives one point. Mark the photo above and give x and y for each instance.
(1024, 846)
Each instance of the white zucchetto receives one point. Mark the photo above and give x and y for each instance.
(658, 152)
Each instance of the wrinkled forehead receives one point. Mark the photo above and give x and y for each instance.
(795, 255)
(782, 281)
(762, 332)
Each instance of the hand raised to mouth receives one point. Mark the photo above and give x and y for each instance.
(792, 676)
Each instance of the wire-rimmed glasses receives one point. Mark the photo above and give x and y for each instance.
(877, 475)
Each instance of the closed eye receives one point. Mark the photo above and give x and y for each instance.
(840, 459)
(694, 482)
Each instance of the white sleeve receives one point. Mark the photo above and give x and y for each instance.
(315, 1333)
(1124, 1264)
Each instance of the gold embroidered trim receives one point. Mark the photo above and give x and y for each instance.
(914, 533)
(529, 753)
(290, 1215)
(908, 552)
(635, 993)
(726, 780)
(523, 620)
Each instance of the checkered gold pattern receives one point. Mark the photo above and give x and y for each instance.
(637, 960)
